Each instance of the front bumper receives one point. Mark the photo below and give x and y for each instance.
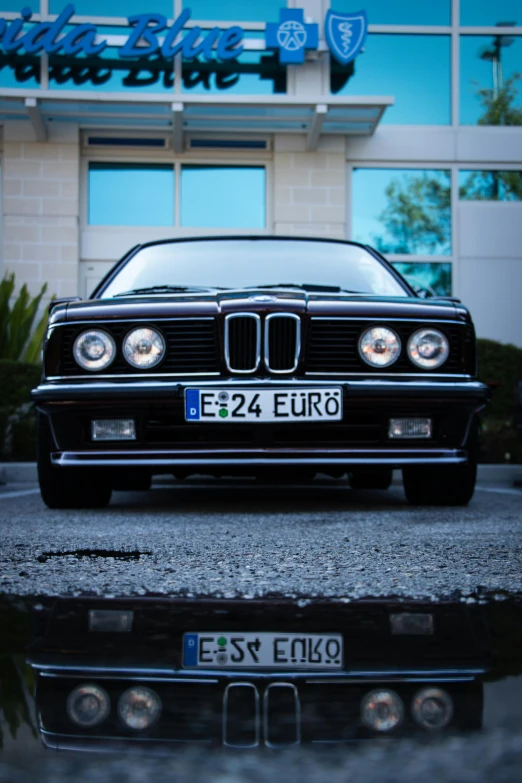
(166, 441)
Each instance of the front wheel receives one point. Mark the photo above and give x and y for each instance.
(441, 485)
(67, 487)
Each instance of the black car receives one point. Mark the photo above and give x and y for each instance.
(265, 356)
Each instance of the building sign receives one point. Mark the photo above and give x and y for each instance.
(291, 37)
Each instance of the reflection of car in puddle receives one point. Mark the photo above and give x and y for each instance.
(161, 673)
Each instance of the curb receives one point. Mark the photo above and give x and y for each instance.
(21, 472)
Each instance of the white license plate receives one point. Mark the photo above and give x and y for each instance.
(282, 405)
(262, 651)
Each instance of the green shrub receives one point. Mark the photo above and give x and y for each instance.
(17, 415)
(500, 363)
(16, 381)
(17, 338)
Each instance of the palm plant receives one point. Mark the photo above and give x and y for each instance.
(18, 340)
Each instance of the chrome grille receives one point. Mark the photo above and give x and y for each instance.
(242, 342)
(282, 342)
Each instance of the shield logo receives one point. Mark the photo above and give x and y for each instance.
(345, 34)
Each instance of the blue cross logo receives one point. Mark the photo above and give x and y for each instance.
(291, 36)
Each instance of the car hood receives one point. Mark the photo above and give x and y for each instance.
(261, 301)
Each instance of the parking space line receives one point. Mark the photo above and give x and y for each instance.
(19, 494)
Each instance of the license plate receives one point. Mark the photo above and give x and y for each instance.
(262, 651)
(241, 405)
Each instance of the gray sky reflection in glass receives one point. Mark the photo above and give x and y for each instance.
(239, 263)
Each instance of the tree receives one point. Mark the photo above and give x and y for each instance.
(498, 104)
(417, 218)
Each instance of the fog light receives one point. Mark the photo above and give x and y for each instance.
(382, 710)
(432, 708)
(410, 428)
(412, 624)
(139, 708)
(88, 705)
(110, 621)
(113, 429)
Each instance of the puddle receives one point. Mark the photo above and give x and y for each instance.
(159, 676)
(94, 553)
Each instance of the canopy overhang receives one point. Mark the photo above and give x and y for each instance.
(181, 114)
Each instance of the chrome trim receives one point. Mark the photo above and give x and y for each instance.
(297, 352)
(464, 382)
(219, 458)
(136, 375)
(257, 319)
(266, 727)
(426, 374)
(225, 715)
(387, 320)
(148, 320)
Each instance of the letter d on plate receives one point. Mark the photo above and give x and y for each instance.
(192, 405)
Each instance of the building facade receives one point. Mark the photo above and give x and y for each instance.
(400, 127)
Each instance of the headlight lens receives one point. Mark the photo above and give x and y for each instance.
(144, 348)
(428, 348)
(139, 708)
(94, 350)
(382, 710)
(432, 708)
(88, 705)
(379, 346)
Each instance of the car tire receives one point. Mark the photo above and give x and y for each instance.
(378, 478)
(67, 487)
(444, 485)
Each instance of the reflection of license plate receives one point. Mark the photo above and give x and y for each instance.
(262, 650)
(221, 405)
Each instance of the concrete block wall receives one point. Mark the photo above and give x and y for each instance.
(309, 187)
(40, 225)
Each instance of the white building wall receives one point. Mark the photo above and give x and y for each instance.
(40, 187)
(309, 187)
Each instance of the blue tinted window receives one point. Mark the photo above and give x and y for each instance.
(426, 279)
(400, 11)
(235, 10)
(490, 185)
(402, 210)
(114, 7)
(131, 194)
(486, 12)
(19, 70)
(223, 197)
(253, 73)
(17, 5)
(415, 69)
(490, 80)
(109, 73)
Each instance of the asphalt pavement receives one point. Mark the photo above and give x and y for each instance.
(243, 539)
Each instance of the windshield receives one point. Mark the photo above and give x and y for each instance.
(253, 263)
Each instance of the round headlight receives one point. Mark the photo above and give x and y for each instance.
(94, 350)
(382, 710)
(139, 708)
(144, 348)
(428, 348)
(88, 705)
(432, 708)
(379, 346)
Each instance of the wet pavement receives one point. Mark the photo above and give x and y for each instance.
(238, 539)
(135, 639)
